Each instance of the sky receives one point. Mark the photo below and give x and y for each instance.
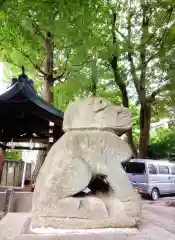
(3, 84)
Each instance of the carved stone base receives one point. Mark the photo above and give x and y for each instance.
(105, 234)
(10, 230)
(72, 223)
(85, 213)
(15, 226)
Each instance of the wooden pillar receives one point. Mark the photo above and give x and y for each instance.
(1, 162)
(9, 192)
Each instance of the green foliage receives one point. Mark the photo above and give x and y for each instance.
(76, 86)
(163, 144)
(13, 155)
(82, 32)
(25, 23)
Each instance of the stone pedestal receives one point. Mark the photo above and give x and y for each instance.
(15, 226)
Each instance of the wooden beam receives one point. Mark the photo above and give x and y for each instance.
(27, 148)
(23, 148)
(43, 140)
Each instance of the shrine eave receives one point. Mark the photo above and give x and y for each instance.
(22, 92)
(25, 116)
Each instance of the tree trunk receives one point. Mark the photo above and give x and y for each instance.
(125, 100)
(145, 120)
(48, 69)
(120, 83)
(94, 77)
(48, 96)
(131, 143)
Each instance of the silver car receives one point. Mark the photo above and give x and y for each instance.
(151, 177)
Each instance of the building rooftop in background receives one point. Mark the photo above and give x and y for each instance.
(25, 116)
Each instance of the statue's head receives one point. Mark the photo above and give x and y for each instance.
(96, 113)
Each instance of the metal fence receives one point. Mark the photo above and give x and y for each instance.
(13, 171)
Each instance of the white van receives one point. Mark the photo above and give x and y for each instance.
(151, 177)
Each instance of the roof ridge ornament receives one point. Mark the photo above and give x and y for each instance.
(22, 78)
(23, 71)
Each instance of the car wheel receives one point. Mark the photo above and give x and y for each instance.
(155, 194)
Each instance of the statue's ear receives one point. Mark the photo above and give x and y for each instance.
(99, 105)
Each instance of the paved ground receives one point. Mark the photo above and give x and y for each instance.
(163, 201)
(160, 216)
(1, 215)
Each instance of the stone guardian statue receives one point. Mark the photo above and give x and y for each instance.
(82, 184)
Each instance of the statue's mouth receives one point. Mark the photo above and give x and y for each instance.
(96, 185)
(124, 125)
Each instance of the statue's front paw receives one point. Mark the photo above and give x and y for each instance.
(80, 207)
(123, 216)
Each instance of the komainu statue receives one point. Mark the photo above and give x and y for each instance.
(82, 183)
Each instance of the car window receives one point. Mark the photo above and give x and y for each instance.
(163, 169)
(173, 170)
(134, 168)
(152, 169)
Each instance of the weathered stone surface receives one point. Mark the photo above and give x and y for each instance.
(96, 113)
(2, 200)
(14, 226)
(83, 208)
(9, 230)
(1, 215)
(88, 158)
(94, 234)
(85, 153)
(20, 202)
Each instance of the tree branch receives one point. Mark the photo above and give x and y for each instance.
(114, 18)
(114, 63)
(130, 53)
(143, 43)
(153, 95)
(59, 77)
(10, 61)
(88, 60)
(2, 2)
(122, 35)
(168, 14)
(30, 60)
(37, 30)
(151, 58)
(130, 58)
(119, 81)
(35, 26)
(158, 46)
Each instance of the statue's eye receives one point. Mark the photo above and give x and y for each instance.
(100, 101)
(118, 113)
